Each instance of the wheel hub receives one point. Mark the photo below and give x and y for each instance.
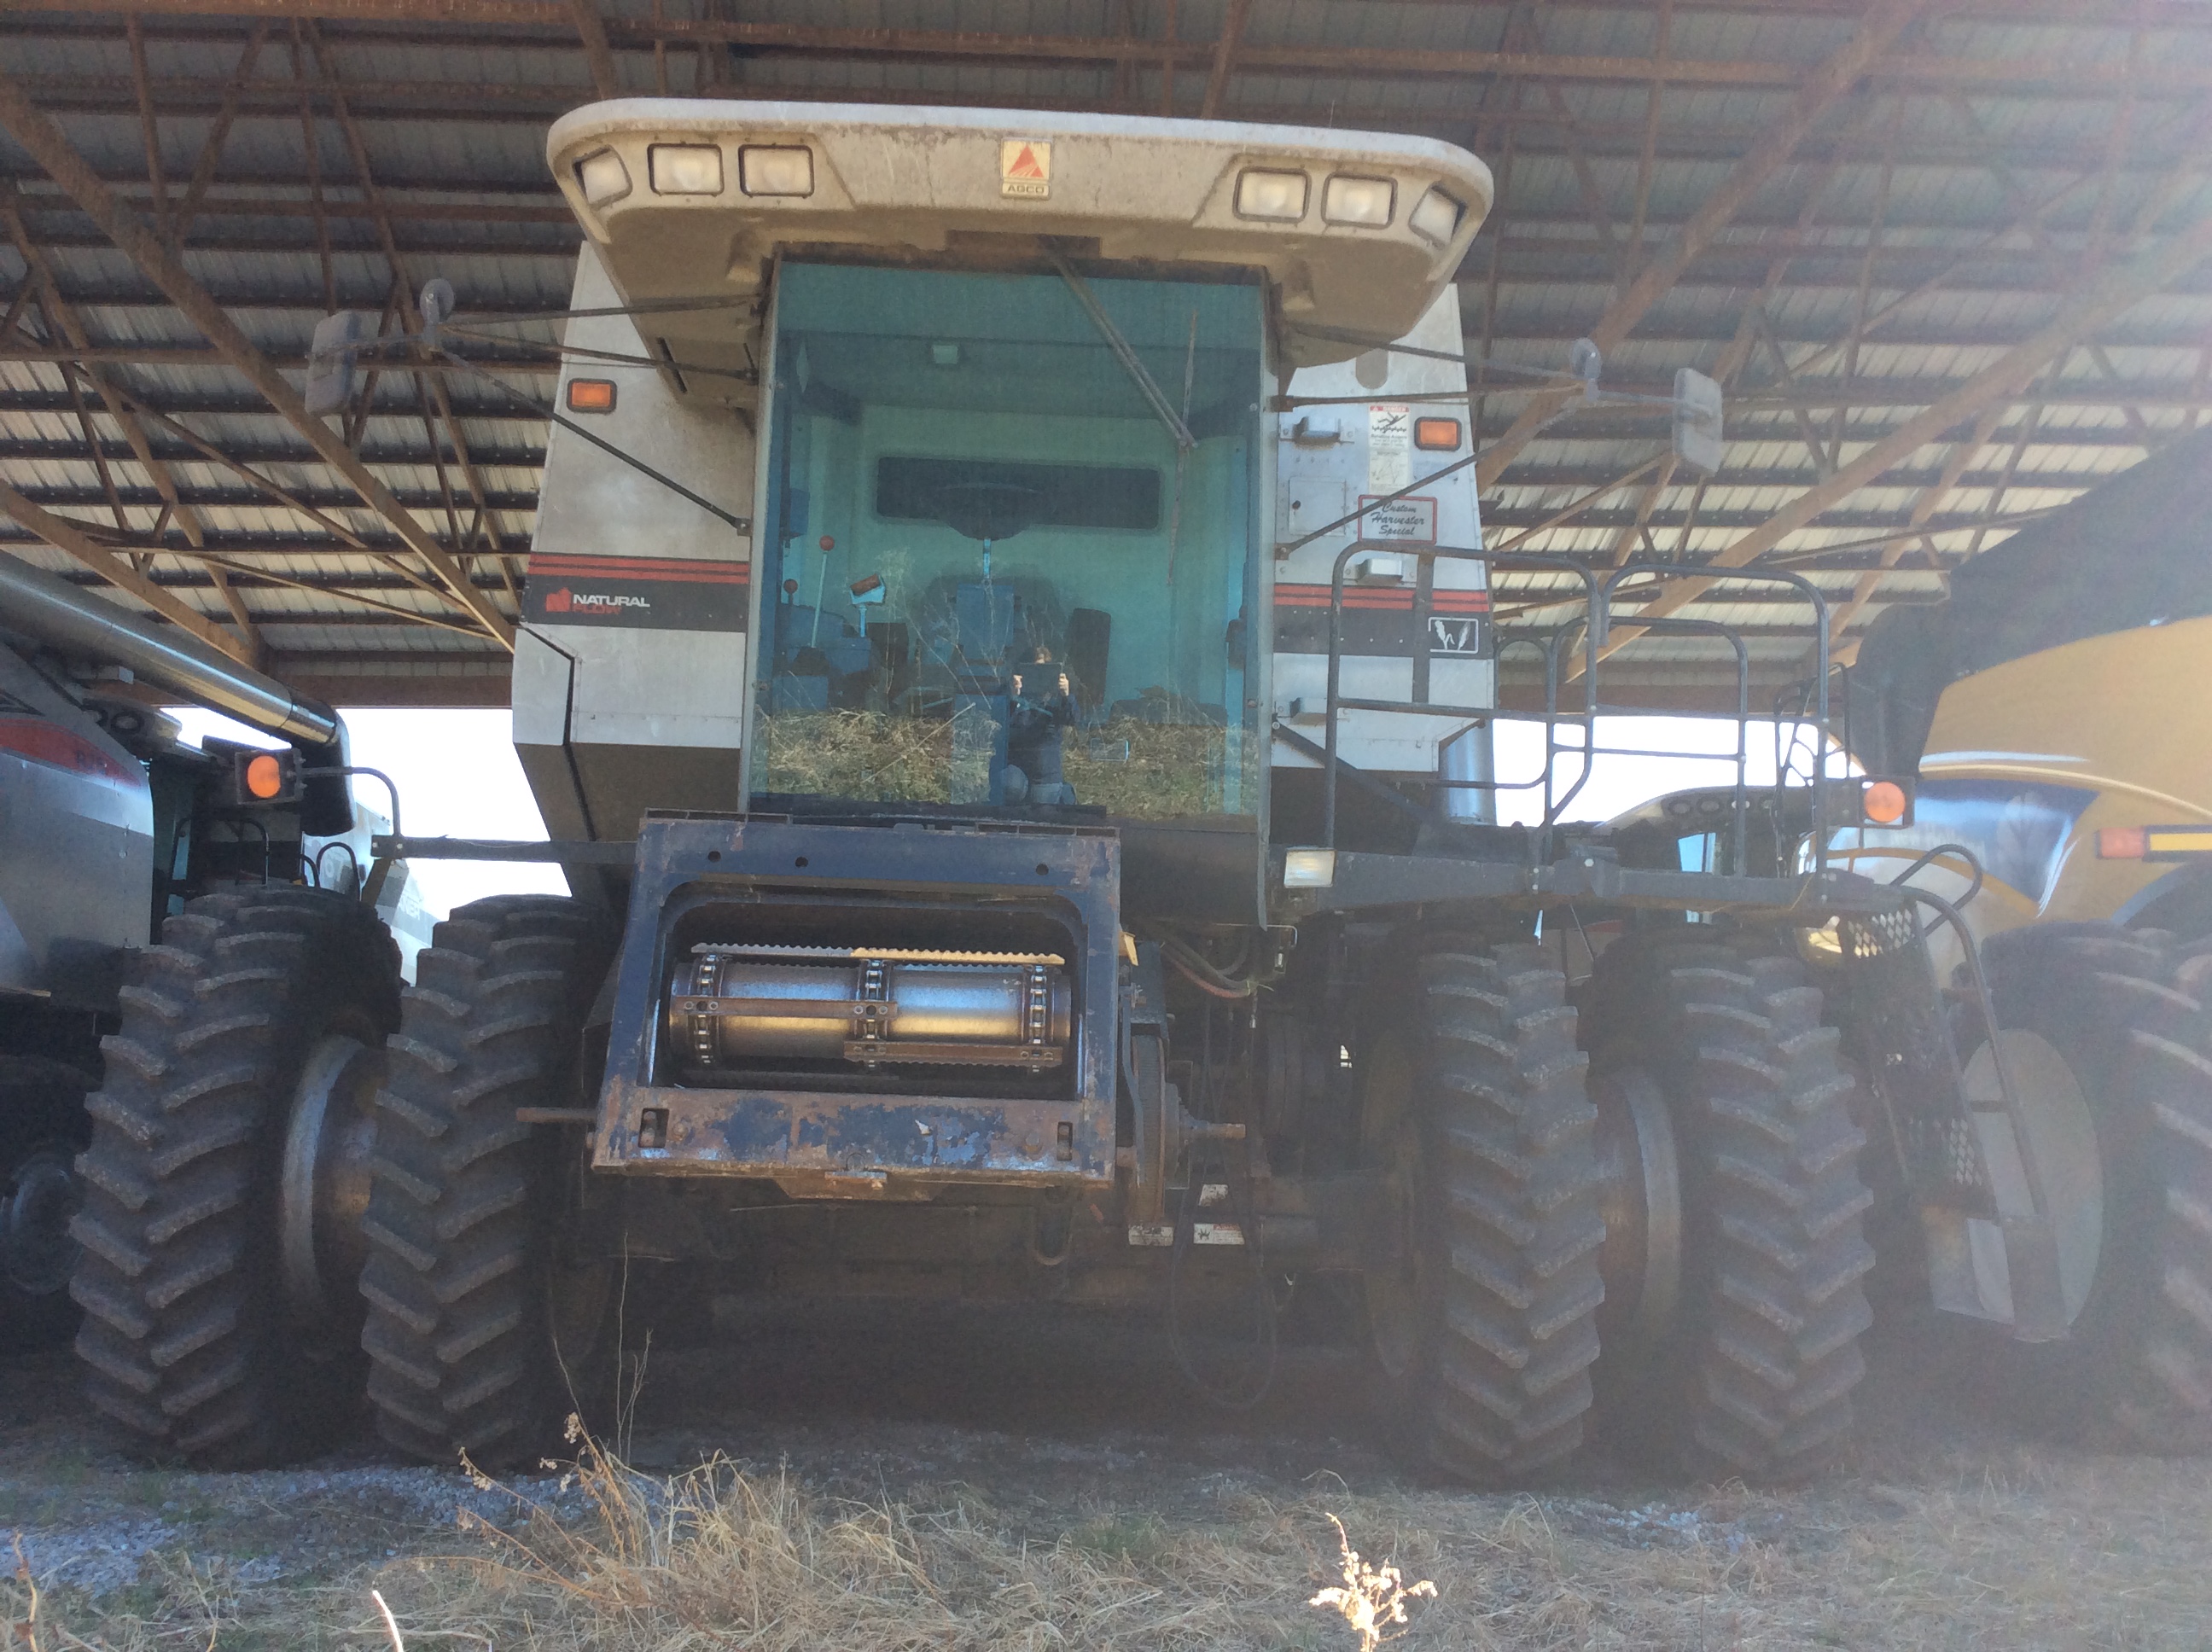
(1640, 1197)
(323, 1188)
(36, 1252)
(2062, 1140)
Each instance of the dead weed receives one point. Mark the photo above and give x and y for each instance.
(2060, 1551)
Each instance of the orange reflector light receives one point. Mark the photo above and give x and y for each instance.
(264, 776)
(2154, 842)
(2121, 843)
(591, 395)
(1883, 802)
(1436, 435)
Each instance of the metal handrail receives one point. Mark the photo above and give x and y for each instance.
(1594, 625)
(1813, 595)
(1337, 701)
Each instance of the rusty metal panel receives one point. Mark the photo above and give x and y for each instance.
(863, 1133)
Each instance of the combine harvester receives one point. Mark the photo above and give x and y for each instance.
(1007, 667)
(2056, 709)
(109, 827)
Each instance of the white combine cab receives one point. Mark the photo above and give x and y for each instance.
(633, 672)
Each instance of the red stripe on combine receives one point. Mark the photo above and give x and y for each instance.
(678, 569)
(43, 741)
(1442, 602)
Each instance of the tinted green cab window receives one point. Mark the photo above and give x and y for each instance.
(990, 577)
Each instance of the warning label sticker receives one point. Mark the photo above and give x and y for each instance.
(1413, 518)
(1026, 168)
(1389, 447)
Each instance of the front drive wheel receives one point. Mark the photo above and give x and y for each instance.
(1484, 1326)
(1736, 1302)
(484, 1330)
(222, 1187)
(2108, 1047)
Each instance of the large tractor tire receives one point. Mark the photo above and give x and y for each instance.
(1734, 1268)
(1471, 1100)
(484, 1329)
(2108, 1046)
(223, 1180)
(42, 1129)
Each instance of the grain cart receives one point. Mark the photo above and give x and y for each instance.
(1008, 665)
(109, 827)
(2056, 709)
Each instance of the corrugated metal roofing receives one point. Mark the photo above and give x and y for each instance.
(1992, 164)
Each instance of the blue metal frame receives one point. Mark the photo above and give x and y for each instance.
(687, 865)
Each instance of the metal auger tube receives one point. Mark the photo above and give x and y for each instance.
(56, 613)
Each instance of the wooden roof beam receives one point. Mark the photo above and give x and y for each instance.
(64, 319)
(37, 133)
(67, 536)
(1885, 20)
(598, 56)
(1225, 60)
(2119, 290)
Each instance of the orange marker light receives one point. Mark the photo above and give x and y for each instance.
(591, 395)
(2122, 842)
(1884, 802)
(264, 776)
(1436, 435)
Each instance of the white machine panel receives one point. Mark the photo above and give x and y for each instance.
(632, 644)
(1416, 630)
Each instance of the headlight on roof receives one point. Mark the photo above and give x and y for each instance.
(603, 178)
(1437, 216)
(1280, 195)
(775, 169)
(686, 169)
(1363, 201)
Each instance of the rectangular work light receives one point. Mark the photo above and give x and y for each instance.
(603, 178)
(775, 169)
(1280, 195)
(1365, 201)
(1437, 216)
(686, 169)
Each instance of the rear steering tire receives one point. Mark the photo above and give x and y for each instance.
(484, 1330)
(1750, 1368)
(2123, 1014)
(197, 1338)
(1472, 1101)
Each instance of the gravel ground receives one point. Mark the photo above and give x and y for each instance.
(1073, 1429)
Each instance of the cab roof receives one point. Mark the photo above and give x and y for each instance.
(690, 199)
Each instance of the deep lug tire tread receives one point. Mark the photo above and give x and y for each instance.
(1757, 1380)
(1505, 1382)
(460, 1356)
(183, 1341)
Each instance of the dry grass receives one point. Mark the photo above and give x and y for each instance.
(2030, 1552)
(1132, 767)
(862, 755)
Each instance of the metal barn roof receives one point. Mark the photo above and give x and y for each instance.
(1950, 262)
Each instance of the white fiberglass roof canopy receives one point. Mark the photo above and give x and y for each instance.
(687, 198)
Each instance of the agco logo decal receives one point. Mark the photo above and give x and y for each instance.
(565, 601)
